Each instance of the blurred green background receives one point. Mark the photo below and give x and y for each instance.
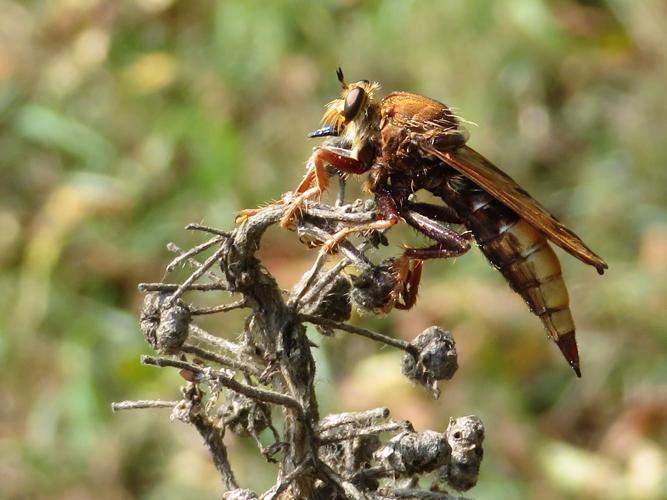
(122, 121)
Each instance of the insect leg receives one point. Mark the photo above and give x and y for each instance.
(305, 190)
(449, 242)
(408, 275)
(303, 186)
(423, 217)
(389, 217)
(307, 179)
(435, 212)
(340, 159)
(407, 269)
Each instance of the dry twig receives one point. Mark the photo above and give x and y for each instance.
(270, 368)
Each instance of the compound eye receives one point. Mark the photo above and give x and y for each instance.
(353, 101)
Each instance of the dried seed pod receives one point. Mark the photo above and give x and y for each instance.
(465, 435)
(335, 304)
(437, 358)
(244, 416)
(360, 205)
(164, 328)
(415, 452)
(372, 290)
(149, 317)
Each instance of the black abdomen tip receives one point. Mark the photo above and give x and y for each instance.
(568, 346)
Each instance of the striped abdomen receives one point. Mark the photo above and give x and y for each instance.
(524, 257)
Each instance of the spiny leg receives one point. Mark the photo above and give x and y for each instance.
(247, 213)
(423, 217)
(341, 159)
(308, 179)
(449, 243)
(406, 270)
(305, 190)
(408, 273)
(438, 213)
(386, 207)
(304, 186)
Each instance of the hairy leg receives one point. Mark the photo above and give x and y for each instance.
(440, 213)
(388, 212)
(425, 218)
(408, 273)
(449, 243)
(314, 183)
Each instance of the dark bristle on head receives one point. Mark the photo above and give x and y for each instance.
(339, 74)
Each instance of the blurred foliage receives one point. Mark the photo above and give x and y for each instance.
(123, 121)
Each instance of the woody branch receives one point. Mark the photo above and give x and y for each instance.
(237, 385)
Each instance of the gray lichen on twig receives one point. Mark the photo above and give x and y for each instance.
(240, 385)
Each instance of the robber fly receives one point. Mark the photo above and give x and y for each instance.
(407, 142)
